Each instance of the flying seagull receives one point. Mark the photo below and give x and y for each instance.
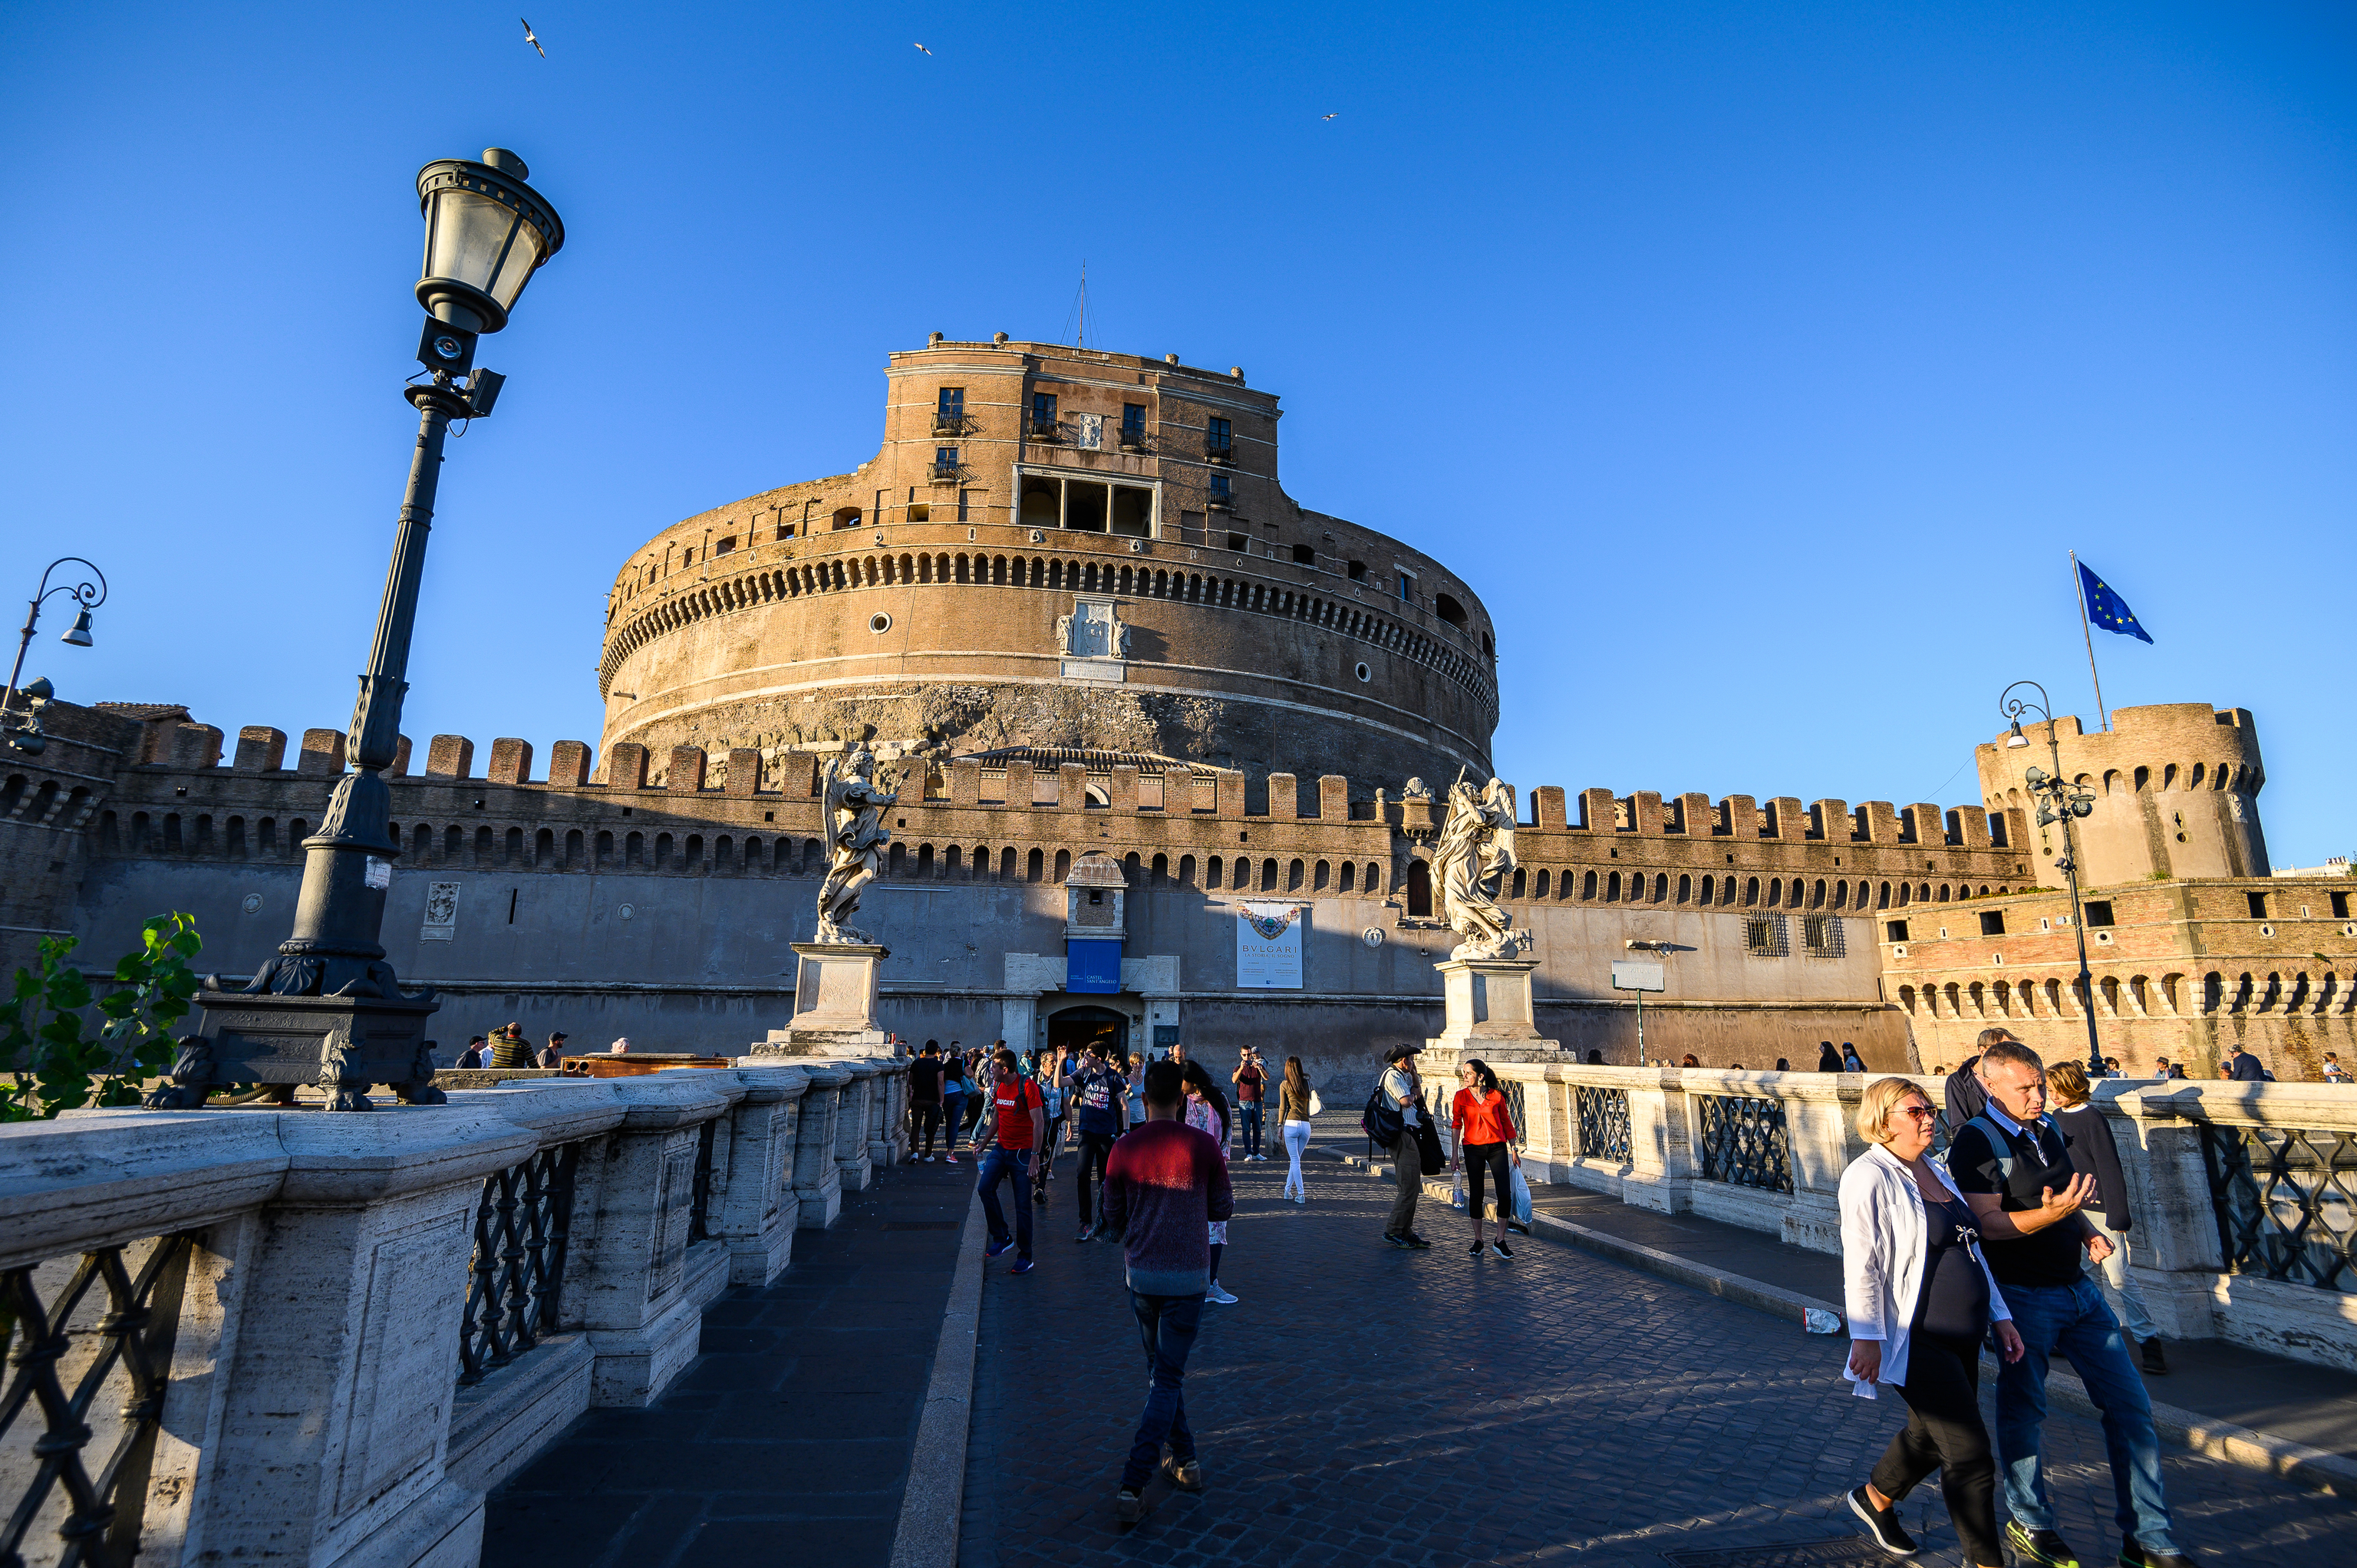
(530, 38)
(1326, 116)
(923, 50)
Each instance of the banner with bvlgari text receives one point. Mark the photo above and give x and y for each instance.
(1268, 946)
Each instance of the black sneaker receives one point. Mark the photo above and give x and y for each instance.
(1416, 1241)
(2154, 1361)
(1128, 1506)
(1505, 1253)
(2040, 1546)
(1474, 1250)
(2134, 1556)
(1088, 1233)
(1882, 1524)
(1396, 1241)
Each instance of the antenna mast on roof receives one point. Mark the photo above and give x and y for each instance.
(1081, 338)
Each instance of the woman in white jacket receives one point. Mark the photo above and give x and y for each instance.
(1920, 1299)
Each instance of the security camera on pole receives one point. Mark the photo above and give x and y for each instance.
(327, 1008)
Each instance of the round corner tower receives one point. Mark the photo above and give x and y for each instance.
(1054, 548)
(2176, 788)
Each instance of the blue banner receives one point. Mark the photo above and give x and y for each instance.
(2106, 609)
(1093, 966)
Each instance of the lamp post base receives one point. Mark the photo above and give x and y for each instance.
(343, 1044)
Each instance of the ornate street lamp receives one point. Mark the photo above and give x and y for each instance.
(329, 1008)
(24, 730)
(2058, 800)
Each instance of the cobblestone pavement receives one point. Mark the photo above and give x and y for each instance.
(1363, 1405)
(789, 1438)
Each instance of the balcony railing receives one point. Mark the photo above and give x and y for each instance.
(1133, 438)
(1220, 500)
(947, 423)
(1045, 429)
(948, 473)
(1218, 451)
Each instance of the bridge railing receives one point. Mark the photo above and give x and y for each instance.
(2243, 1194)
(264, 1333)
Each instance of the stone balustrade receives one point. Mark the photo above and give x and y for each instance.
(2243, 1194)
(321, 1339)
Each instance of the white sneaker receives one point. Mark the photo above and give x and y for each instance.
(1219, 1297)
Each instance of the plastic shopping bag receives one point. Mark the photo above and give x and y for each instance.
(1457, 1191)
(1522, 1196)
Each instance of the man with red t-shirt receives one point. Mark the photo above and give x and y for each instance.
(1022, 1127)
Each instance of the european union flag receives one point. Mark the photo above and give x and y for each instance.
(2106, 609)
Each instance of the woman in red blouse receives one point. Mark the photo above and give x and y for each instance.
(1484, 1124)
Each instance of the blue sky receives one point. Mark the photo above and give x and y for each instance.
(1757, 365)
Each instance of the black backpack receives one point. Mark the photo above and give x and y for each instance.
(1381, 1120)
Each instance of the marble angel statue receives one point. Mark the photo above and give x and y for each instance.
(1475, 854)
(857, 837)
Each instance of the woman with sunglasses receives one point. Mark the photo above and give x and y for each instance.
(1920, 1299)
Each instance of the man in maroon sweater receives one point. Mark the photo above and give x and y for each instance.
(1164, 1185)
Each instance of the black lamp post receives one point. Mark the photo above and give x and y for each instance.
(2059, 801)
(24, 731)
(327, 1007)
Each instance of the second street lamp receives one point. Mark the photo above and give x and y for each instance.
(2058, 800)
(327, 1007)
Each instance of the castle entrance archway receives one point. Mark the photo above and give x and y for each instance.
(1077, 1027)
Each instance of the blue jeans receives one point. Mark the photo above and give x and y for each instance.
(1251, 1118)
(1013, 1165)
(2073, 1319)
(1165, 1325)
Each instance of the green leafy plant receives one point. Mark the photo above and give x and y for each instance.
(54, 1062)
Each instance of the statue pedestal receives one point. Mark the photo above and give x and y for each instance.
(834, 1004)
(1488, 1014)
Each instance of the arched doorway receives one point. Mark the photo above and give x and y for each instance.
(1419, 890)
(1078, 1027)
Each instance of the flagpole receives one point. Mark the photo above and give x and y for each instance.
(2079, 587)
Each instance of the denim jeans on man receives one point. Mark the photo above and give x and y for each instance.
(1014, 1165)
(1251, 1109)
(1165, 1324)
(2074, 1320)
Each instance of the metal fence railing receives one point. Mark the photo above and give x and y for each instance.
(2287, 1202)
(1603, 1117)
(518, 1270)
(1745, 1142)
(699, 1214)
(88, 1358)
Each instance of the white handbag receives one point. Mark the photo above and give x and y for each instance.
(1316, 1106)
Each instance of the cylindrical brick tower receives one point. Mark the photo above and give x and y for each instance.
(2176, 786)
(1055, 548)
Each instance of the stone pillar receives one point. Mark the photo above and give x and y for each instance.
(632, 1279)
(818, 1182)
(2173, 1251)
(754, 1212)
(1821, 1128)
(334, 1364)
(888, 1118)
(852, 1155)
(834, 1005)
(1661, 1150)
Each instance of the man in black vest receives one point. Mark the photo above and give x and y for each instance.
(2014, 1168)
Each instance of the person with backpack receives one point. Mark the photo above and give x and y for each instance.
(1166, 1187)
(1395, 1109)
(1484, 1125)
(1020, 1131)
(2016, 1171)
(924, 1101)
(1100, 1113)
(954, 1090)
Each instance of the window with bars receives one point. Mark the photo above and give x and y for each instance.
(1764, 936)
(1821, 936)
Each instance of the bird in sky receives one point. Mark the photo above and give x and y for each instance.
(531, 38)
(923, 50)
(1326, 116)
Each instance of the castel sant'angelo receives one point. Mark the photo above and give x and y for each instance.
(1131, 692)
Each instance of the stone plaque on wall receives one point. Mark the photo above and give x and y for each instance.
(441, 912)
